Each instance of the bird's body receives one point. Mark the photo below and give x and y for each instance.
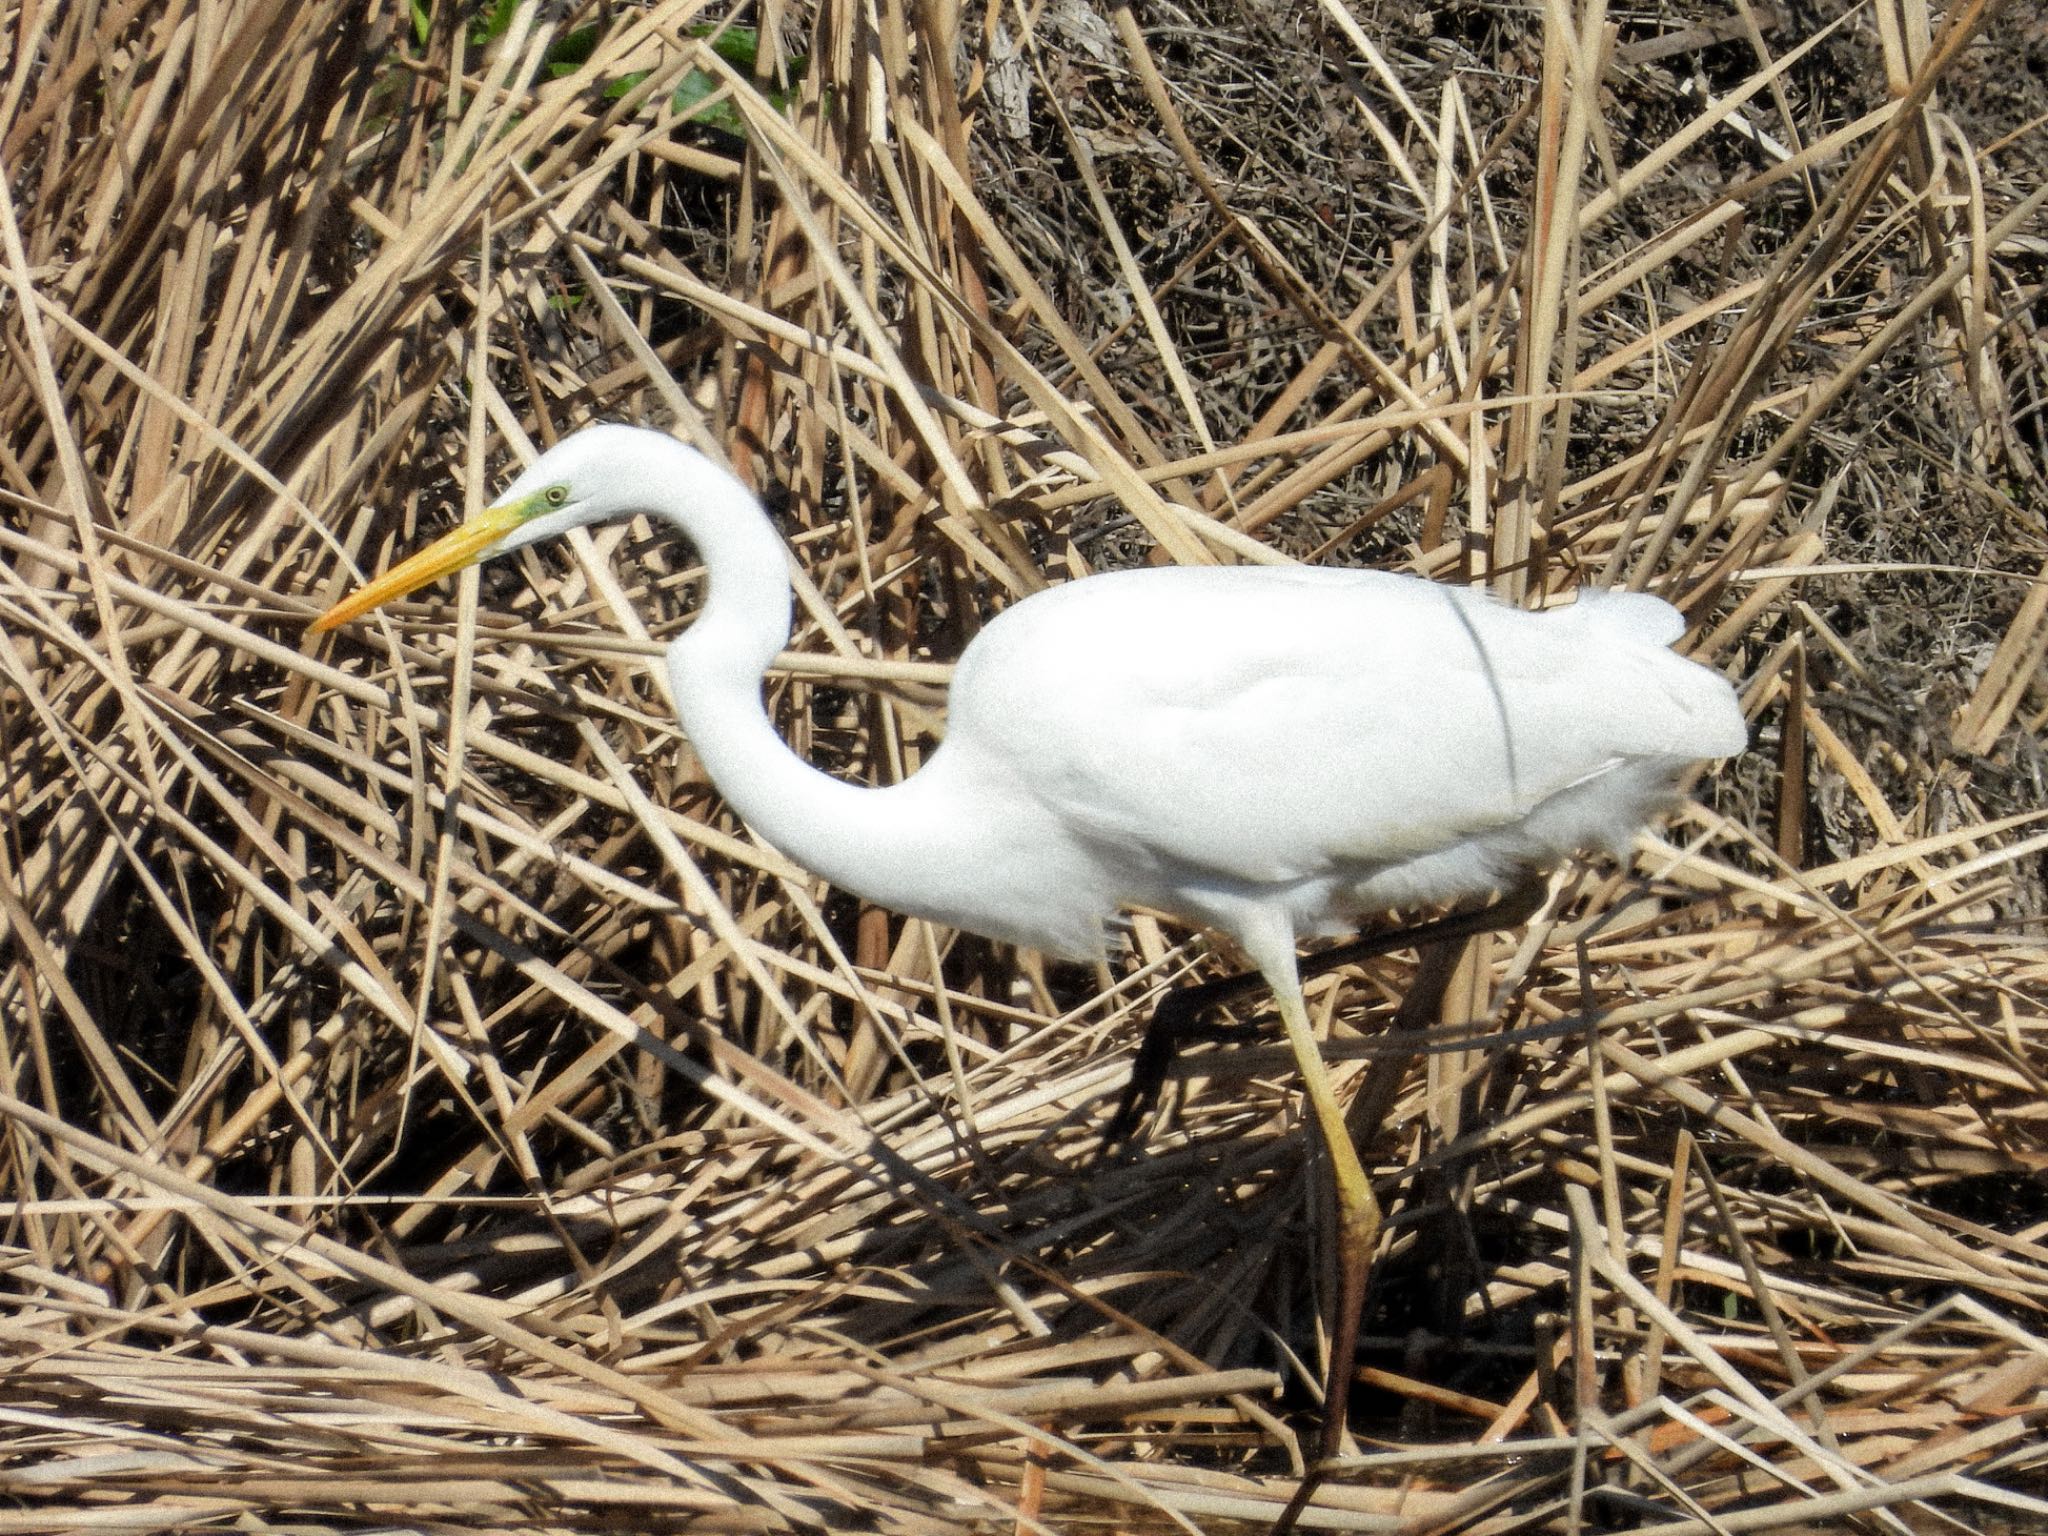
(1267, 752)
(1300, 745)
(1270, 752)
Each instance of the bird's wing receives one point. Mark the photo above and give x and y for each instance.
(1278, 724)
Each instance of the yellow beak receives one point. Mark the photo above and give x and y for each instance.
(453, 551)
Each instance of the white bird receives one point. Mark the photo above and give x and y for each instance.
(1268, 752)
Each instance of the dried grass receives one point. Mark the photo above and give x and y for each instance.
(426, 1108)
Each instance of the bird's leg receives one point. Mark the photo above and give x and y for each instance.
(1358, 1230)
(1369, 1109)
(1515, 906)
(1176, 1021)
(1358, 1211)
(1178, 1018)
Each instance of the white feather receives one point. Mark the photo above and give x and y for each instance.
(1267, 751)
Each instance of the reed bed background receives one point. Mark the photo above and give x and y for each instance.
(426, 1108)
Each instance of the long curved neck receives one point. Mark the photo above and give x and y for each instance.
(878, 843)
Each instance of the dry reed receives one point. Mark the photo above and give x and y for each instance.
(425, 1107)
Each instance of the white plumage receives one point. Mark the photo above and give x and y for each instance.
(1267, 752)
(1329, 742)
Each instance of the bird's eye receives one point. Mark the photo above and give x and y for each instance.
(558, 495)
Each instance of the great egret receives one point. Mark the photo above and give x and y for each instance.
(1268, 752)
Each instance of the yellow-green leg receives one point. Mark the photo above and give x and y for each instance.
(1358, 1228)
(1181, 1010)
(1270, 946)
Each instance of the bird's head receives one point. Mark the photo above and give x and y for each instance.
(595, 474)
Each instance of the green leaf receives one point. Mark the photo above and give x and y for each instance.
(689, 99)
(573, 50)
(738, 46)
(492, 22)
